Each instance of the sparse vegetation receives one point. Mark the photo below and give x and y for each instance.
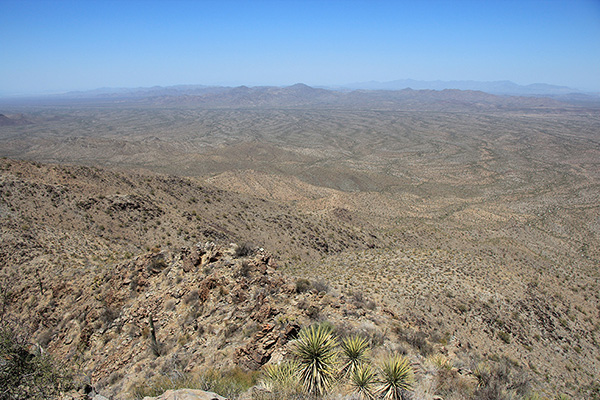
(229, 383)
(282, 379)
(243, 250)
(505, 337)
(27, 372)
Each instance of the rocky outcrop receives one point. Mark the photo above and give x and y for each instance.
(210, 307)
(264, 342)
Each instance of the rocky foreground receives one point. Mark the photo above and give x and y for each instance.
(207, 307)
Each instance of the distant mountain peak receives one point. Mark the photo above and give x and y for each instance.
(300, 85)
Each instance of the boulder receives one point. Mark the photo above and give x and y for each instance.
(187, 394)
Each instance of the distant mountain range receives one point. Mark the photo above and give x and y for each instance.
(502, 88)
(496, 87)
(404, 94)
(301, 95)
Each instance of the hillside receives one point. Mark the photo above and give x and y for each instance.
(78, 274)
(56, 211)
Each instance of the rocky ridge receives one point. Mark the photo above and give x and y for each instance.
(167, 312)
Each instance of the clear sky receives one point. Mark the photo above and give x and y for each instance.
(56, 45)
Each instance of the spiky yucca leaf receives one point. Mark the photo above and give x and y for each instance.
(363, 380)
(317, 352)
(354, 352)
(397, 377)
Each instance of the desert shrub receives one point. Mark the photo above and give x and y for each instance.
(562, 397)
(229, 383)
(245, 269)
(592, 390)
(483, 373)
(302, 285)
(160, 384)
(504, 336)
(358, 299)
(316, 352)
(320, 286)
(418, 340)
(396, 378)
(157, 264)
(243, 250)
(26, 374)
(449, 382)
(501, 380)
(303, 304)
(313, 312)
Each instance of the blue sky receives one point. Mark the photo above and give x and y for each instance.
(55, 45)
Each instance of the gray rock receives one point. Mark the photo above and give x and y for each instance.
(187, 394)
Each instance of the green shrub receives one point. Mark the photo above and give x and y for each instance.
(243, 250)
(501, 380)
(439, 362)
(505, 337)
(26, 374)
(229, 383)
(302, 285)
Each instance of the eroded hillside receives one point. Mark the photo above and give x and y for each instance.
(90, 217)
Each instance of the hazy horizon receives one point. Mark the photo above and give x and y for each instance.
(55, 47)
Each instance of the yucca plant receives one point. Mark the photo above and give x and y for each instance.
(439, 362)
(280, 377)
(354, 353)
(483, 373)
(397, 377)
(316, 350)
(363, 380)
